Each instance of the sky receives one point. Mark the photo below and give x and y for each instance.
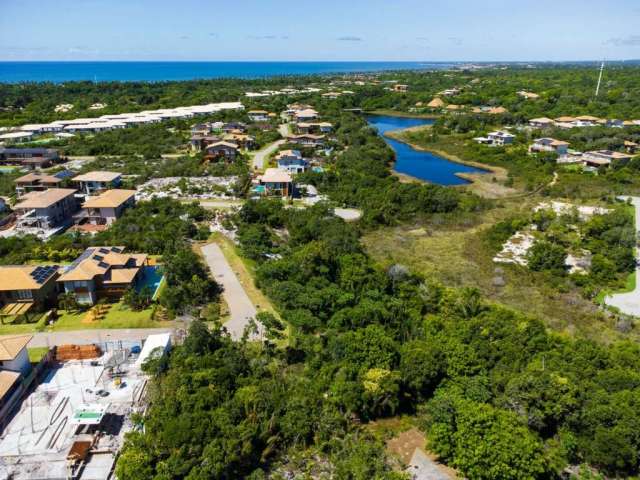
(327, 30)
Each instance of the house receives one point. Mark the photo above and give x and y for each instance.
(35, 181)
(221, 150)
(398, 87)
(16, 137)
(275, 182)
(200, 129)
(232, 126)
(549, 145)
(331, 95)
(497, 111)
(92, 183)
(291, 161)
(47, 210)
(436, 103)
(612, 123)
(198, 142)
(630, 147)
(29, 157)
(307, 127)
(599, 158)
(306, 114)
(13, 353)
(565, 119)
(586, 121)
(103, 271)
(107, 207)
(242, 140)
(450, 92)
(528, 95)
(307, 139)
(258, 115)
(541, 122)
(501, 138)
(27, 287)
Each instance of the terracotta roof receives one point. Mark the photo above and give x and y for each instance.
(275, 175)
(44, 199)
(97, 176)
(20, 277)
(109, 199)
(565, 119)
(12, 345)
(7, 380)
(541, 120)
(34, 176)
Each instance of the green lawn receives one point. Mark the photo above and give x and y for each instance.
(118, 316)
(36, 353)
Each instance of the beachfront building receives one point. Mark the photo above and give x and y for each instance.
(49, 210)
(35, 182)
(93, 183)
(226, 151)
(102, 272)
(29, 157)
(549, 145)
(106, 208)
(25, 288)
(291, 161)
(274, 182)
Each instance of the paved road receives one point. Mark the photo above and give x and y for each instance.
(240, 306)
(261, 155)
(629, 302)
(83, 337)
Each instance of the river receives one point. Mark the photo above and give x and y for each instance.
(415, 163)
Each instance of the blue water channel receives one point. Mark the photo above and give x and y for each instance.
(415, 163)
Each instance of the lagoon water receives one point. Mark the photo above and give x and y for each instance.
(58, 72)
(422, 165)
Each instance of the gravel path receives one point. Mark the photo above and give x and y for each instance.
(240, 306)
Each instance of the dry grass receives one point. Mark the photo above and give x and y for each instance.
(453, 252)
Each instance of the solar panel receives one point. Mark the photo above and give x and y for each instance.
(104, 250)
(98, 258)
(103, 265)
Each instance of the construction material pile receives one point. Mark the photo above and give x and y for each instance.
(77, 352)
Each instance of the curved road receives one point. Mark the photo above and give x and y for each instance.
(261, 155)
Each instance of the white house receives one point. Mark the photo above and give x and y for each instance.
(13, 353)
(500, 138)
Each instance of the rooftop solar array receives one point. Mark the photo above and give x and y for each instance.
(42, 274)
(65, 174)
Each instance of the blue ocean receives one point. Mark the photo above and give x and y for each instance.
(58, 72)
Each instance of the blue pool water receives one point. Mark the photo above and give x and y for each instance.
(151, 277)
(422, 165)
(57, 72)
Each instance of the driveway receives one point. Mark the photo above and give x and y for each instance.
(98, 335)
(261, 155)
(629, 302)
(240, 306)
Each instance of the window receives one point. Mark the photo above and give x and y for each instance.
(24, 294)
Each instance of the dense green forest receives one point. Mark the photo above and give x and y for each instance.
(499, 394)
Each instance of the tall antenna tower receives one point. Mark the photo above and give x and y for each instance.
(600, 78)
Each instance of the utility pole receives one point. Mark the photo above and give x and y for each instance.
(599, 79)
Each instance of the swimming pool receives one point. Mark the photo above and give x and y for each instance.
(151, 277)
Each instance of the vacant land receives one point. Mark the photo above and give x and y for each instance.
(452, 251)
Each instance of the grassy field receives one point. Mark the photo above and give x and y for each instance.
(451, 250)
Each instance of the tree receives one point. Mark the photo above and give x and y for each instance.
(547, 256)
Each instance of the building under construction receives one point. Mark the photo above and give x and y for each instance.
(72, 425)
